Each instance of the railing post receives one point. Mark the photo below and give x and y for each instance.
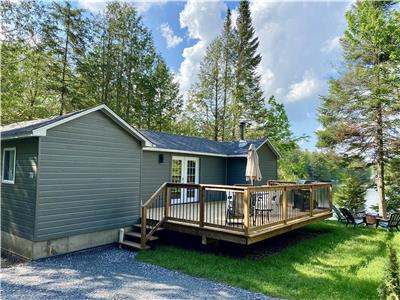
(311, 200)
(202, 196)
(246, 215)
(167, 201)
(285, 205)
(143, 228)
(330, 195)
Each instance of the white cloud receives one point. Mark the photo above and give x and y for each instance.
(97, 6)
(204, 21)
(331, 44)
(171, 39)
(303, 90)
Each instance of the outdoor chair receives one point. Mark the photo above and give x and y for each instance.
(234, 213)
(350, 219)
(260, 206)
(339, 215)
(392, 222)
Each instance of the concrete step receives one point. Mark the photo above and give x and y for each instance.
(135, 234)
(133, 245)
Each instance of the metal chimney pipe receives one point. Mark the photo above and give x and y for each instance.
(242, 126)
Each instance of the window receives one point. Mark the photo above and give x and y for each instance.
(8, 171)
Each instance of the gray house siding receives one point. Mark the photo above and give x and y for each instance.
(154, 173)
(89, 178)
(268, 164)
(212, 170)
(268, 167)
(18, 200)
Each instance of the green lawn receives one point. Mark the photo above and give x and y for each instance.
(335, 263)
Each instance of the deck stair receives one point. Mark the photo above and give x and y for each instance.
(132, 239)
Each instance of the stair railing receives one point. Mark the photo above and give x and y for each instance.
(159, 202)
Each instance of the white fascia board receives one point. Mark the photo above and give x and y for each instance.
(271, 146)
(155, 149)
(17, 136)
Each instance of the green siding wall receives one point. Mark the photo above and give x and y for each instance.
(212, 170)
(18, 200)
(89, 178)
(154, 174)
(268, 167)
(268, 164)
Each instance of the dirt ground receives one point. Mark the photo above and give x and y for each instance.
(9, 260)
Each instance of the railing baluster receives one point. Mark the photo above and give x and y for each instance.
(285, 205)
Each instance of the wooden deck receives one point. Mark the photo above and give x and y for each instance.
(238, 214)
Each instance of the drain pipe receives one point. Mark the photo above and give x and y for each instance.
(121, 236)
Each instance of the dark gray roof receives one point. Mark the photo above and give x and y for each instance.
(27, 127)
(194, 144)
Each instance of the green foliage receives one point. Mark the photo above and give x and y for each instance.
(228, 89)
(57, 58)
(360, 115)
(390, 287)
(351, 193)
(333, 262)
(393, 185)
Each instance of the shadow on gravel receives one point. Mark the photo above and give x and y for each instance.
(8, 259)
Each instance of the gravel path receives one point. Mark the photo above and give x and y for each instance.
(108, 273)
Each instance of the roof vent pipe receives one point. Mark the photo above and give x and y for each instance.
(242, 126)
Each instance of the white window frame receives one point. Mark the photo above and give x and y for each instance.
(3, 165)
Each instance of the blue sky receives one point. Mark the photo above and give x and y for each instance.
(299, 44)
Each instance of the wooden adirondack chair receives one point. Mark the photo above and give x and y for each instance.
(339, 215)
(392, 222)
(350, 218)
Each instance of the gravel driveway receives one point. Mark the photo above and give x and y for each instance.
(108, 273)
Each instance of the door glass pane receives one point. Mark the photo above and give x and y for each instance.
(191, 177)
(176, 178)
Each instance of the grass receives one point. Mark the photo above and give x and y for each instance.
(336, 262)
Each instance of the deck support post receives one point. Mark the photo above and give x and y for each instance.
(285, 205)
(311, 201)
(202, 204)
(143, 228)
(246, 215)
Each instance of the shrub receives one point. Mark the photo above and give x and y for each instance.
(351, 193)
(390, 287)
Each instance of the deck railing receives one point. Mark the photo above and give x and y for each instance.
(237, 208)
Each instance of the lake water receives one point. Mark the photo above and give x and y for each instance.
(371, 199)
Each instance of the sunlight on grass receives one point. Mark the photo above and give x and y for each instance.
(340, 263)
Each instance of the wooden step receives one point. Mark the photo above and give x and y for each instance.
(133, 245)
(139, 236)
(147, 227)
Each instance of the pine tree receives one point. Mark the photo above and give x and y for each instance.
(361, 114)
(66, 36)
(228, 59)
(207, 98)
(248, 96)
(351, 194)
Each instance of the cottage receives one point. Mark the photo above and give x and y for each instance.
(71, 182)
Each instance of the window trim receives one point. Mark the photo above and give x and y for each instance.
(3, 165)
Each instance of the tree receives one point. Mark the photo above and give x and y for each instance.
(228, 59)
(207, 98)
(25, 79)
(66, 37)
(248, 99)
(351, 194)
(124, 71)
(361, 113)
(392, 184)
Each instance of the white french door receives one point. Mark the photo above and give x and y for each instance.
(184, 170)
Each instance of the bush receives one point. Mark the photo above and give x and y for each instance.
(390, 287)
(351, 193)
